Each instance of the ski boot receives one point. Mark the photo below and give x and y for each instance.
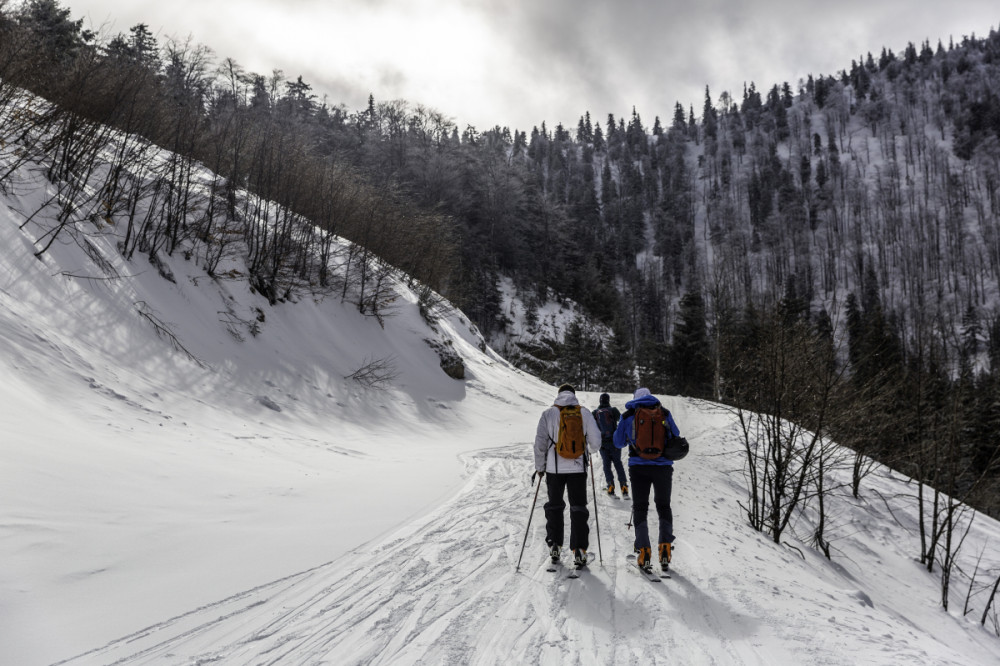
(611, 489)
(554, 553)
(645, 559)
(580, 558)
(624, 491)
(666, 550)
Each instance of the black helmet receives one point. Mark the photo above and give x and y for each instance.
(605, 400)
(567, 387)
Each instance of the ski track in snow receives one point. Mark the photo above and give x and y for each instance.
(444, 591)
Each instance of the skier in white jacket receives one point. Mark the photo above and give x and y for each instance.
(565, 474)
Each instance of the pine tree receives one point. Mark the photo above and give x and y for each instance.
(823, 329)
(579, 358)
(690, 366)
(599, 144)
(58, 37)
(792, 308)
(855, 330)
(971, 331)
(678, 122)
(708, 116)
(617, 369)
(139, 47)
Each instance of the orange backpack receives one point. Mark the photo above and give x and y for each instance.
(572, 441)
(649, 432)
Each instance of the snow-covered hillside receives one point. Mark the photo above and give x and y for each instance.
(203, 498)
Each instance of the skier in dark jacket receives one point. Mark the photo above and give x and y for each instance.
(645, 474)
(607, 418)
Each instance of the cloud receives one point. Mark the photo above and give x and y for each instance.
(519, 62)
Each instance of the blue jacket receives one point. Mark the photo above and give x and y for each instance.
(623, 434)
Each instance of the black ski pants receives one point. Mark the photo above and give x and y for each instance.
(575, 487)
(659, 478)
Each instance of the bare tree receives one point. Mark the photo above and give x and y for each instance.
(785, 382)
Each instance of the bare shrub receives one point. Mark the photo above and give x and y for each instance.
(375, 373)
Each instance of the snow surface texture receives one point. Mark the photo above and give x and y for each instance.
(250, 505)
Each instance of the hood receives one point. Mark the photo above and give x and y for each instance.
(647, 400)
(565, 399)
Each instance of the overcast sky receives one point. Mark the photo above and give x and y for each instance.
(519, 62)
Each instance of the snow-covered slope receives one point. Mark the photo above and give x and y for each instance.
(140, 478)
(242, 502)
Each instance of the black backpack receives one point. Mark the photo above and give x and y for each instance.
(605, 421)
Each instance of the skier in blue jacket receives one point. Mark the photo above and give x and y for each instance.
(645, 474)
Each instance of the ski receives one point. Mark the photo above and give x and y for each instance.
(650, 575)
(574, 572)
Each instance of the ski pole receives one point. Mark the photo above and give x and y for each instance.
(630, 516)
(523, 543)
(593, 484)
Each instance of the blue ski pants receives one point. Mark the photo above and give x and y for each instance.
(613, 456)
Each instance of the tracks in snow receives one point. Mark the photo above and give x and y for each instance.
(444, 590)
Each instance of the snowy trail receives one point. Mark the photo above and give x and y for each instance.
(445, 591)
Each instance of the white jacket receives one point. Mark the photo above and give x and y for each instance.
(548, 432)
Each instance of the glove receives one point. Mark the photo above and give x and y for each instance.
(538, 474)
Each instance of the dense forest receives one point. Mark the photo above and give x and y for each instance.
(828, 252)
